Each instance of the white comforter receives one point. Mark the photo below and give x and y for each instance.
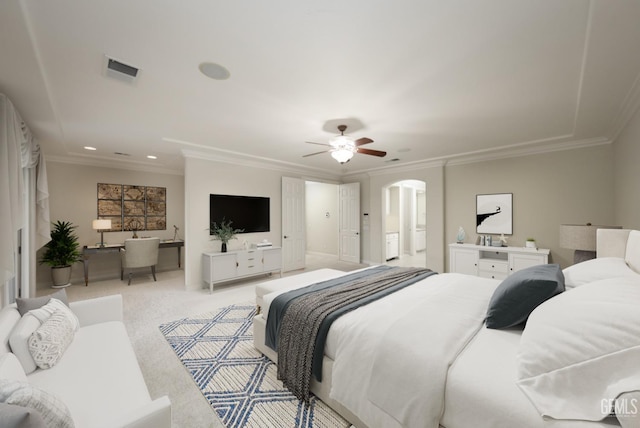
(393, 355)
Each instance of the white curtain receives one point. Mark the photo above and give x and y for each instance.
(32, 157)
(18, 151)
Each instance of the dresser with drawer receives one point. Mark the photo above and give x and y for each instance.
(493, 262)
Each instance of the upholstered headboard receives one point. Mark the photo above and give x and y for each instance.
(623, 243)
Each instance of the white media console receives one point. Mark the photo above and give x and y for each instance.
(493, 262)
(221, 267)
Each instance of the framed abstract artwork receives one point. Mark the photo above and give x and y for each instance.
(494, 214)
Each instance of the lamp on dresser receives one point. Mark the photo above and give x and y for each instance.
(582, 239)
(101, 225)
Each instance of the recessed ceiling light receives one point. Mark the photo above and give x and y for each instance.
(89, 148)
(214, 71)
(152, 157)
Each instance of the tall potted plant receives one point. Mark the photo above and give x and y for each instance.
(224, 232)
(61, 253)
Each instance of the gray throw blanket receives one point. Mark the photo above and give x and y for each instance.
(305, 324)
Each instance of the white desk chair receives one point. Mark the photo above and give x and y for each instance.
(139, 253)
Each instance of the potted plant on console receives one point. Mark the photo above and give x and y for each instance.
(224, 232)
(61, 253)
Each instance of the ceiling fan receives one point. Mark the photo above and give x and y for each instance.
(342, 147)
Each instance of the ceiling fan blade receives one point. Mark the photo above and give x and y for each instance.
(320, 144)
(316, 153)
(363, 140)
(372, 152)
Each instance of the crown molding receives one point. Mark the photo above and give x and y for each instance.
(26, 16)
(405, 167)
(316, 174)
(504, 152)
(583, 65)
(630, 106)
(111, 164)
(239, 159)
(524, 149)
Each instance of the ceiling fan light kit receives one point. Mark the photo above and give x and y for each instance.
(342, 155)
(343, 147)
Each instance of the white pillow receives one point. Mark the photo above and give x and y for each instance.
(18, 341)
(595, 270)
(580, 348)
(49, 342)
(52, 409)
(627, 409)
(632, 254)
(29, 323)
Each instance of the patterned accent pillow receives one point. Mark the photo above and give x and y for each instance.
(13, 416)
(29, 323)
(52, 409)
(51, 339)
(54, 305)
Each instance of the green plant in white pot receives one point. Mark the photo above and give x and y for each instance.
(224, 232)
(61, 253)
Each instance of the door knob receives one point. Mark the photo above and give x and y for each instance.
(285, 236)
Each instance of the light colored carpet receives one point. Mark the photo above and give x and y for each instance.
(147, 304)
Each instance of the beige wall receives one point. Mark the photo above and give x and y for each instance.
(626, 150)
(203, 177)
(372, 202)
(571, 186)
(72, 197)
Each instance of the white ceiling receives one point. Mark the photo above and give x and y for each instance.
(425, 79)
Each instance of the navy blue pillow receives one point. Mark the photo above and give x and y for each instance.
(518, 295)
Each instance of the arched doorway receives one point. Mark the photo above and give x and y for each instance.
(404, 222)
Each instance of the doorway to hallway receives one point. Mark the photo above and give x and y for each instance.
(319, 218)
(404, 221)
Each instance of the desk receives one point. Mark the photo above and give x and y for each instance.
(115, 248)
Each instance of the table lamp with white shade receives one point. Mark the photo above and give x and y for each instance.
(101, 225)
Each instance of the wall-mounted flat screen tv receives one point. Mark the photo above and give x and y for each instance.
(250, 213)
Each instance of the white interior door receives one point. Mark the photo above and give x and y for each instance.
(350, 222)
(293, 224)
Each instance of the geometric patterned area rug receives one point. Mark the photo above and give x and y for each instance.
(238, 381)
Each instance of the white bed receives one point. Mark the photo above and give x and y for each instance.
(402, 361)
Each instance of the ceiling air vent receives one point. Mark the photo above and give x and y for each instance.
(119, 70)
